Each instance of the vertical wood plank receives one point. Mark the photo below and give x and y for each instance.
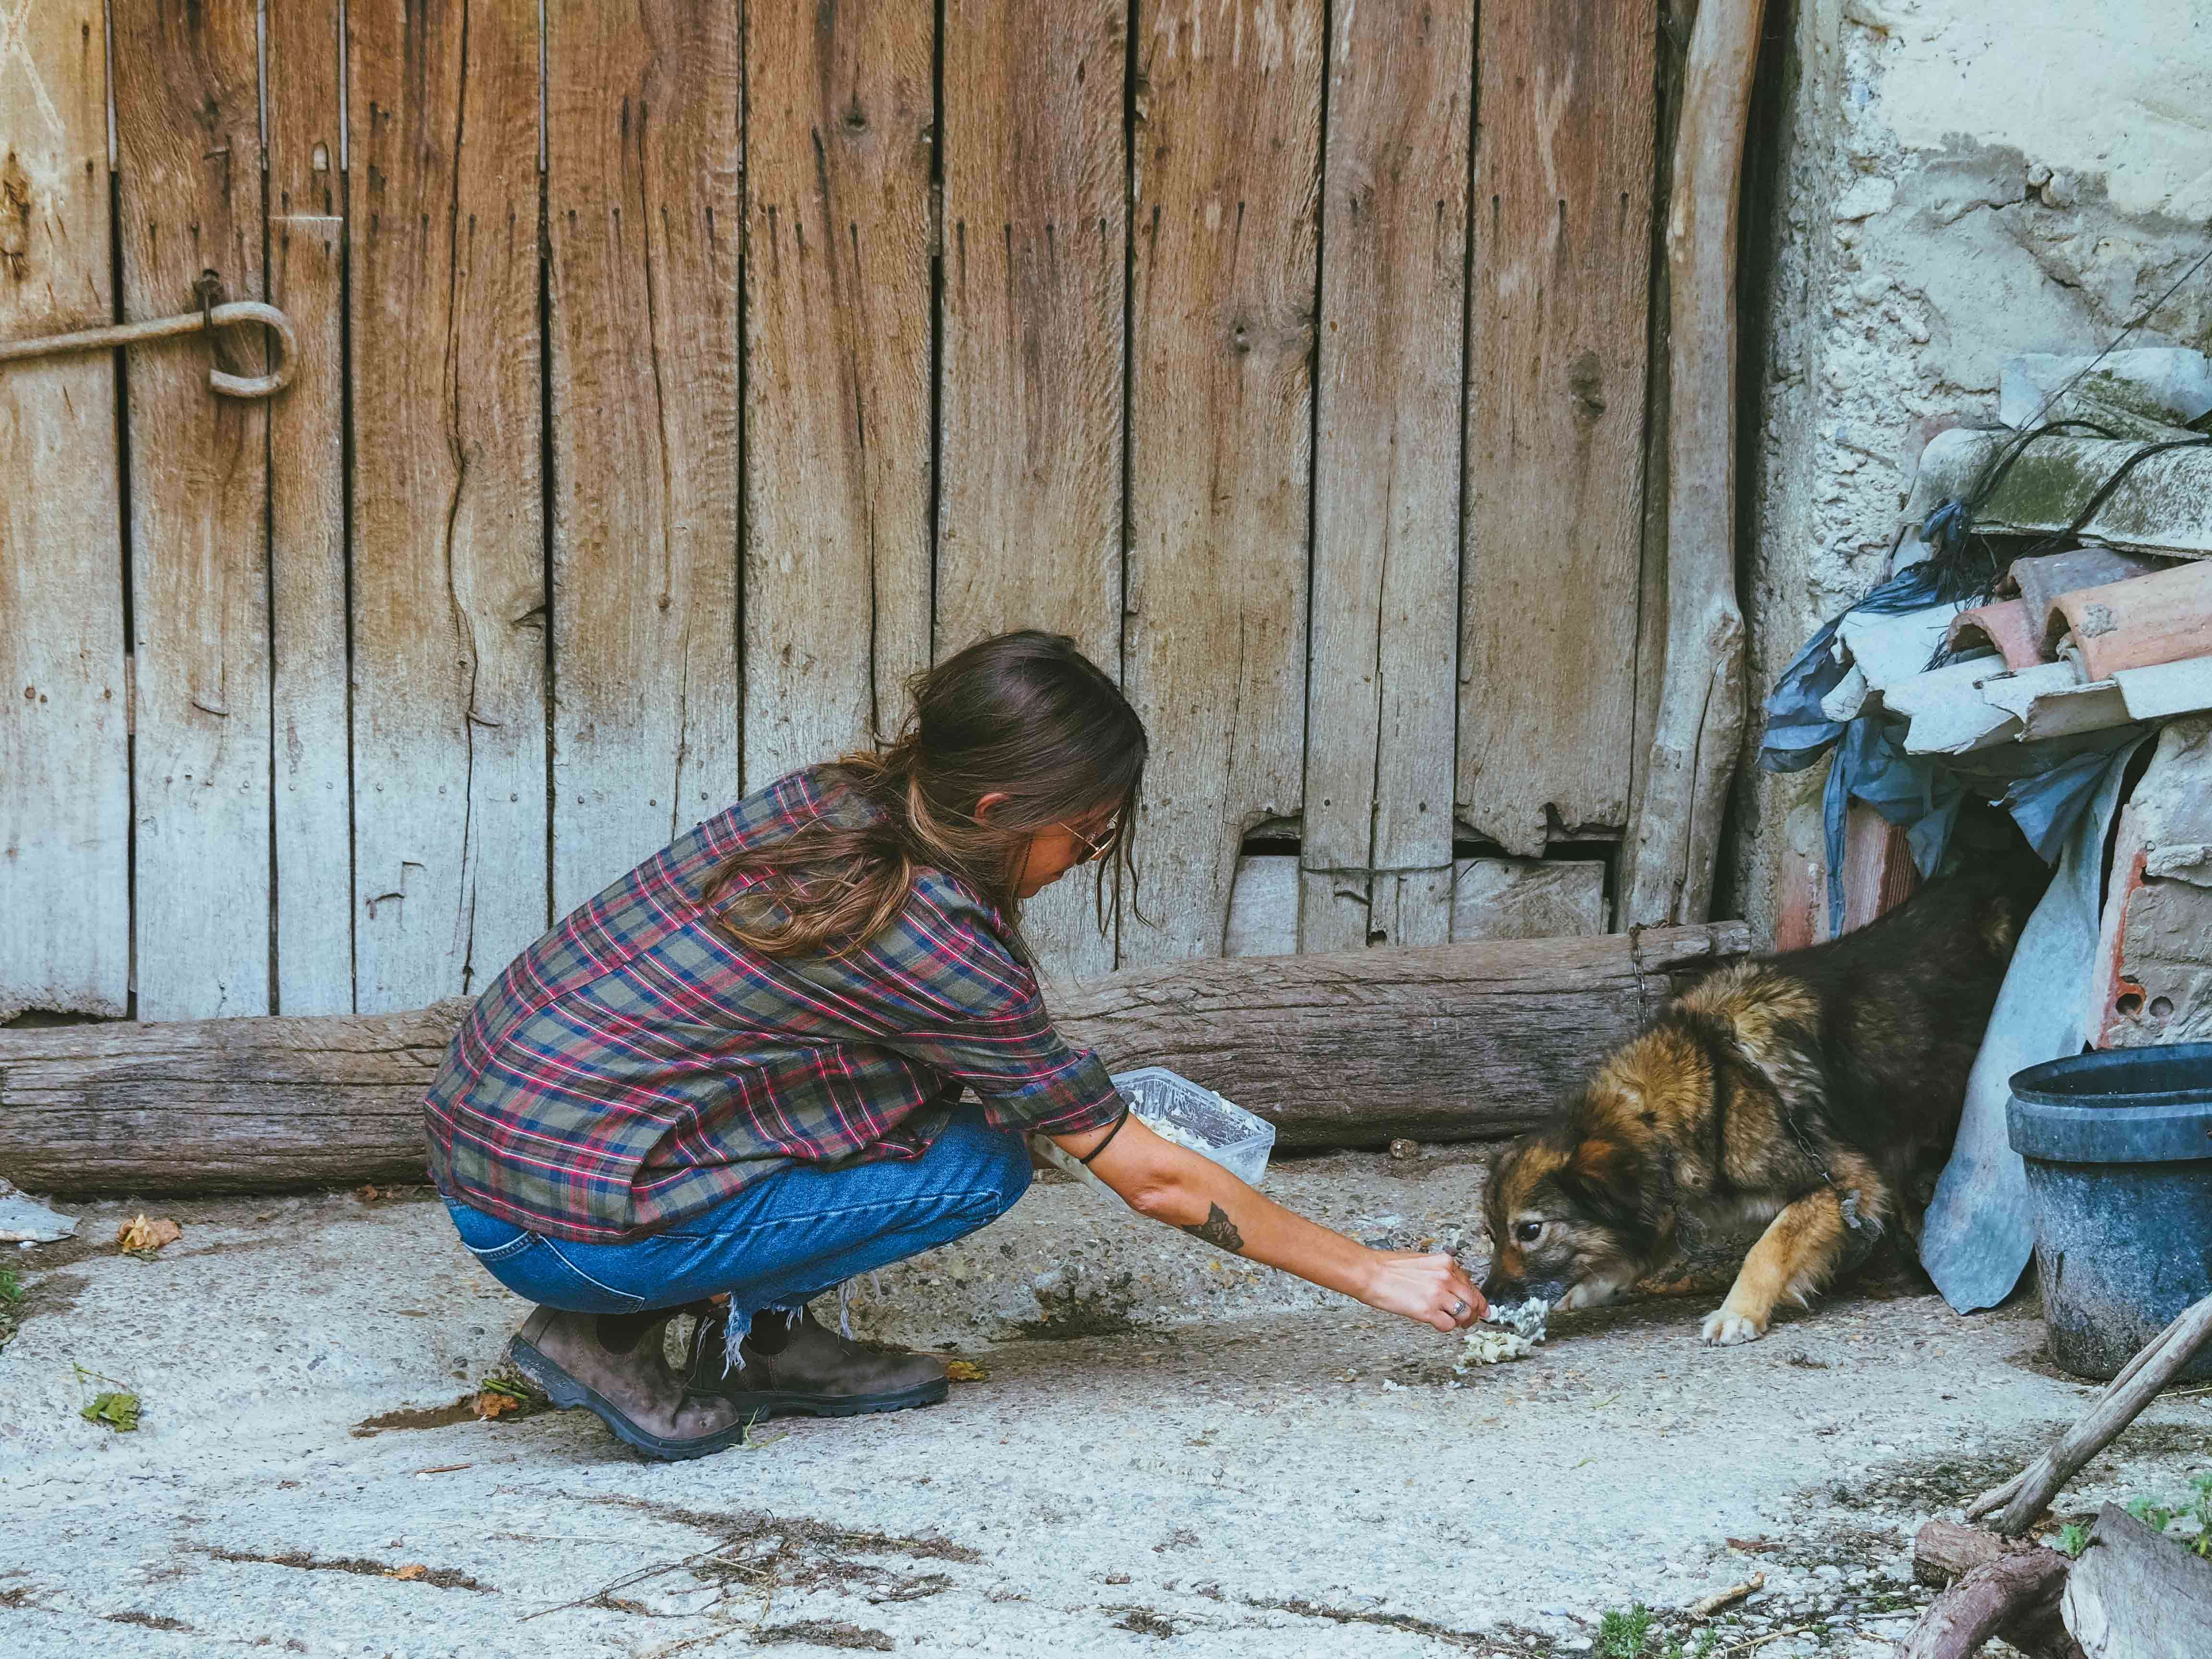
(65, 760)
(1030, 447)
(1228, 178)
(449, 600)
(1381, 700)
(838, 134)
(313, 816)
(1556, 371)
(188, 168)
(642, 191)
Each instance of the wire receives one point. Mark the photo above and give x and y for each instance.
(2144, 316)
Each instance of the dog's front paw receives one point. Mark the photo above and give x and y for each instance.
(1726, 1329)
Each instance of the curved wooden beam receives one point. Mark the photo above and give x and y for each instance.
(1674, 838)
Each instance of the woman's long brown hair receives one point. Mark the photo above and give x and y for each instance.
(1025, 715)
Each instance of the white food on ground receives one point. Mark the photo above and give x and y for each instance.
(1489, 1347)
(1522, 1318)
(1510, 1332)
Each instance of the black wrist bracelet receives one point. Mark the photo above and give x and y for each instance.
(1085, 1159)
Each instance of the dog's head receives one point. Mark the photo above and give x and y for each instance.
(1566, 1218)
(1579, 1211)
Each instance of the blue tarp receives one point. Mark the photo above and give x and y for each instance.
(1979, 1230)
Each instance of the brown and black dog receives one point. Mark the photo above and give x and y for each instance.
(1797, 1090)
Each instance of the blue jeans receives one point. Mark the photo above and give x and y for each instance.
(782, 1242)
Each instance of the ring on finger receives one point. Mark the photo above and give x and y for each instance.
(1459, 1309)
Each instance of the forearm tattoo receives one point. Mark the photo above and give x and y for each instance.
(1219, 1230)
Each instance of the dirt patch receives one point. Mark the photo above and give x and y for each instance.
(64, 1252)
(1933, 1483)
(1069, 1328)
(1300, 1607)
(149, 1620)
(1144, 1621)
(18, 1597)
(2173, 1441)
(755, 1554)
(826, 1633)
(443, 1577)
(744, 1525)
(490, 1404)
(462, 1410)
(50, 1293)
(378, 1196)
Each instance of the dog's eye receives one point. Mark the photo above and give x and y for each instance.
(1529, 1232)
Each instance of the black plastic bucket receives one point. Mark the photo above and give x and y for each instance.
(2119, 1146)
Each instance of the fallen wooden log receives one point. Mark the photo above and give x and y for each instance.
(2014, 1595)
(1461, 1041)
(2134, 1594)
(2027, 1494)
(1945, 1553)
(1468, 1042)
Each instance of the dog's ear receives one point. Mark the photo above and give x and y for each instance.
(1604, 1177)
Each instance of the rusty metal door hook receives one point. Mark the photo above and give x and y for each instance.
(237, 315)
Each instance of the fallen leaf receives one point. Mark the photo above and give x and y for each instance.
(117, 1410)
(966, 1370)
(1752, 1545)
(494, 1403)
(367, 1195)
(411, 1572)
(143, 1238)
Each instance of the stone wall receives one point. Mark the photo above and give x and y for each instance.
(1938, 184)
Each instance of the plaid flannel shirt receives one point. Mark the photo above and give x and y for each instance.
(637, 1065)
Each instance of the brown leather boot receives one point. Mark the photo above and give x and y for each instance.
(630, 1387)
(813, 1373)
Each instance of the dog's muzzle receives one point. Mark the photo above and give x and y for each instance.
(1503, 1289)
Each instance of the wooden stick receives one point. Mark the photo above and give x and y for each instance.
(1713, 1603)
(2015, 1594)
(2029, 1493)
(1674, 838)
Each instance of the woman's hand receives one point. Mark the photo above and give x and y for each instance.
(1433, 1289)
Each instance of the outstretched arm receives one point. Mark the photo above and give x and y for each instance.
(1156, 1177)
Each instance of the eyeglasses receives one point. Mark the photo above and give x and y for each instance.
(1095, 847)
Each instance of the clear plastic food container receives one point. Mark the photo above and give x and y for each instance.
(1173, 1106)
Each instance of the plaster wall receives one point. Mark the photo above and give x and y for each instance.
(1943, 183)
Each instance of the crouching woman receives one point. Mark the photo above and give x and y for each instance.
(736, 1078)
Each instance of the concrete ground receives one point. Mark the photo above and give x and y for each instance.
(1171, 1452)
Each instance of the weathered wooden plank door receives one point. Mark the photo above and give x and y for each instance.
(1378, 787)
(65, 766)
(1556, 360)
(839, 119)
(642, 103)
(311, 793)
(1029, 452)
(188, 174)
(449, 560)
(869, 332)
(1227, 188)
